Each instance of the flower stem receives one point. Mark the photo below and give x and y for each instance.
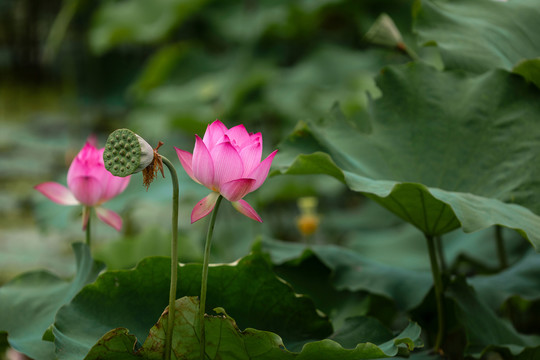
(88, 226)
(204, 280)
(440, 252)
(501, 251)
(437, 281)
(174, 259)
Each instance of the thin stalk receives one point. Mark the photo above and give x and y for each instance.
(59, 28)
(407, 50)
(174, 259)
(204, 281)
(437, 281)
(440, 252)
(88, 226)
(501, 251)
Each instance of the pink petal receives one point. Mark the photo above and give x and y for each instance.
(202, 164)
(57, 193)
(87, 189)
(244, 208)
(236, 189)
(238, 136)
(214, 132)
(227, 164)
(186, 159)
(89, 164)
(256, 138)
(89, 161)
(109, 217)
(204, 207)
(261, 172)
(113, 185)
(251, 157)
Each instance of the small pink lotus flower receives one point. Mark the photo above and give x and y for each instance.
(90, 185)
(228, 162)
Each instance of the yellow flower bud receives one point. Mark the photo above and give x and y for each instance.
(308, 221)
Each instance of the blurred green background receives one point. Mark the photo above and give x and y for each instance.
(166, 69)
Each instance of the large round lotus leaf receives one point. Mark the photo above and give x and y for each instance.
(135, 22)
(352, 271)
(521, 279)
(29, 302)
(134, 299)
(443, 150)
(479, 35)
(225, 341)
(530, 70)
(483, 328)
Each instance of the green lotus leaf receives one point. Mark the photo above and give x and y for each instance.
(347, 269)
(224, 340)
(530, 70)
(117, 344)
(479, 35)
(134, 299)
(445, 150)
(483, 328)
(135, 22)
(475, 307)
(373, 231)
(354, 272)
(522, 279)
(30, 301)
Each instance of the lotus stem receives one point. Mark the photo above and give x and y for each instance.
(174, 258)
(440, 253)
(501, 250)
(407, 50)
(437, 281)
(59, 28)
(204, 280)
(88, 225)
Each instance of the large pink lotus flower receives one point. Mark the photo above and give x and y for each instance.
(90, 185)
(228, 162)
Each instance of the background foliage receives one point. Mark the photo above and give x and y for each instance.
(428, 108)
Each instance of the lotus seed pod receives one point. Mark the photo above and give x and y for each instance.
(126, 153)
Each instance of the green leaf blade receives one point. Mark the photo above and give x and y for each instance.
(224, 340)
(480, 35)
(32, 300)
(443, 150)
(134, 299)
